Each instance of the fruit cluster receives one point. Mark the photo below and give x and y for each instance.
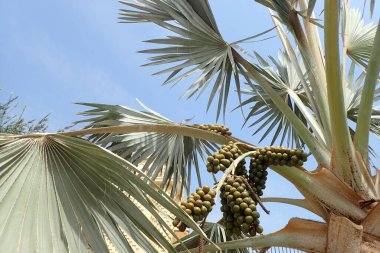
(268, 156)
(224, 158)
(197, 205)
(257, 177)
(279, 156)
(216, 128)
(239, 209)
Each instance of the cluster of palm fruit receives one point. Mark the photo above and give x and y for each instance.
(257, 177)
(222, 159)
(239, 209)
(268, 156)
(197, 205)
(216, 128)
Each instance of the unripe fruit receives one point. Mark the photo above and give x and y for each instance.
(197, 210)
(207, 197)
(207, 204)
(243, 206)
(259, 229)
(189, 205)
(198, 203)
(175, 222)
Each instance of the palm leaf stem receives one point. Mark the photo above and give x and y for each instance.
(316, 74)
(344, 49)
(302, 203)
(343, 161)
(316, 147)
(300, 234)
(367, 96)
(310, 118)
(313, 36)
(323, 188)
(159, 128)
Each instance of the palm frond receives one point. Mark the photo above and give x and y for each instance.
(65, 194)
(173, 157)
(264, 112)
(359, 36)
(354, 87)
(196, 47)
(353, 90)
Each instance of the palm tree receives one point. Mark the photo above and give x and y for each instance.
(83, 189)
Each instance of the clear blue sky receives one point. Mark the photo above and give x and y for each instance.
(54, 53)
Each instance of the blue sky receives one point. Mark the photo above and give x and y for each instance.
(54, 53)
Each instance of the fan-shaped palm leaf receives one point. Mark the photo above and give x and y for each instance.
(65, 194)
(168, 155)
(285, 81)
(359, 36)
(197, 47)
(352, 100)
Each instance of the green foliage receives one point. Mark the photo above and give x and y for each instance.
(65, 194)
(173, 155)
(12, 121)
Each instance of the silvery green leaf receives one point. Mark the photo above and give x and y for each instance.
(354, 86)
(173, 157)
(264, 113)
(353, 90)
(359, 36)
(196, 47)
(65, 194)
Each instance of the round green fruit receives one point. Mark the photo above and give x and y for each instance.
(189, 205)
(248, 211)
(243, 206)
(204, 210)
(240, 220)
(175, 222)
(237, 194)
(207, 204)
(248, 219)
(197, 210)
(236, 208)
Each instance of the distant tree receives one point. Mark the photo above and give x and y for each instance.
(12, 120)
